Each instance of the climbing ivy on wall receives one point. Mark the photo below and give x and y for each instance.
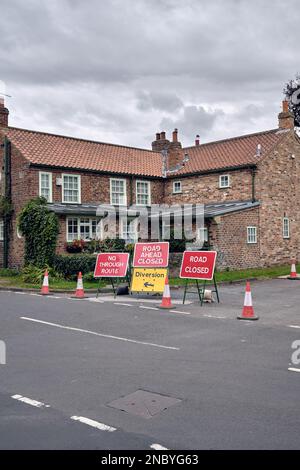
(40, 227)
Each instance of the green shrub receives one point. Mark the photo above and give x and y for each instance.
(31, 274)
(6, 272)
(89, 277)
(106, 245)
(69, 266)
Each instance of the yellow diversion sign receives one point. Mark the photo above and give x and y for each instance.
(148, 279)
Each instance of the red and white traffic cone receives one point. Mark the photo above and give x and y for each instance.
(293, 275)
(45, 286)
(166, 299)
(248, 311)
(79, 294)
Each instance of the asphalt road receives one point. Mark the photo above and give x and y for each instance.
(231, 378)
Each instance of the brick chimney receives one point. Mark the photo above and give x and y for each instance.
(286, 118)
(175, 151)
(161, 142)
(174, 148)
(3, 114)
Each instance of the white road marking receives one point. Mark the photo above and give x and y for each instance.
(29, 401)
(21, 293)
(94, 424)
(179, 311)
(100, 334)
(157, 447)
(93, 299)
(293, 326)
(148, 308)
(293, 369)
(125, 305)
(35, 295)
(54, 297)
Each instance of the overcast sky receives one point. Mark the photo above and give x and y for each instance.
(121, 70)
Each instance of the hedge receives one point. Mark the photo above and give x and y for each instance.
(69, 266)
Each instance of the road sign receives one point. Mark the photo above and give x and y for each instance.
(111, 265)
(198, 265)
(151, 255)
(148, 279)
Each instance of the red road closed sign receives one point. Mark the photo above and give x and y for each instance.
(151, 255)
(111, 265)
(198, 265)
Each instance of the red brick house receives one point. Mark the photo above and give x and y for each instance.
(249, 185)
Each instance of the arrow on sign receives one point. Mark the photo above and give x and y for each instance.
(147, 284)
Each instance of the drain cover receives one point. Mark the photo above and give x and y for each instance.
(144, 404)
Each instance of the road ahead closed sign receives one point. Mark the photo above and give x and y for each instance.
(151, 255)
(198, 265)
(111, 265)
(148, 280)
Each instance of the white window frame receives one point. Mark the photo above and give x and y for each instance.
(174, 186)
(63, 188)
(204, 237)
(148, 183)
(91, 219)
(286, 232)
(41, 173)
(1, 230)
(134, 222)
(221, 185)
(125, 191)
(251, 236)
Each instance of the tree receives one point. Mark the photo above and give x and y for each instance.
(40, 228)
(292, 92)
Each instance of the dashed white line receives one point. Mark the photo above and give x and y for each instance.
(21, 293)
(294, 326)
(94, 424)
(157, 447)
(293, 369)
(120, 338)
(179, 311)
(92, 299)
(148, 308)
(29, 401)
(120, 303)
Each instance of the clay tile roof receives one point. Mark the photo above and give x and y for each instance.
(67, 152)
(48, 149)
(234, 152)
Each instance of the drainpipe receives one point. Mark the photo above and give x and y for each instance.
(7, 194)
(253, 184)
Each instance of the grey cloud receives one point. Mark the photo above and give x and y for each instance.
(194, 120)
(142, 63)
(162, 101)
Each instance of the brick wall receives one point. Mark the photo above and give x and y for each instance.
(278, 189)
(205, 188)
(228, 236)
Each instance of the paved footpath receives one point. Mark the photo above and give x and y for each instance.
(218, 383)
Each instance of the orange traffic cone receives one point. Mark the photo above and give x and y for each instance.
(293, 274)
(166, 299)
(79, 294)
(248, 311)
(45, 286)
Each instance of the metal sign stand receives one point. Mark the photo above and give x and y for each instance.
(200, 290)
(112, 284)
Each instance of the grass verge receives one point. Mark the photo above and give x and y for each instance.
(224, 276)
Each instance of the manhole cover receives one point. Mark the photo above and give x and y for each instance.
(144, 404)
